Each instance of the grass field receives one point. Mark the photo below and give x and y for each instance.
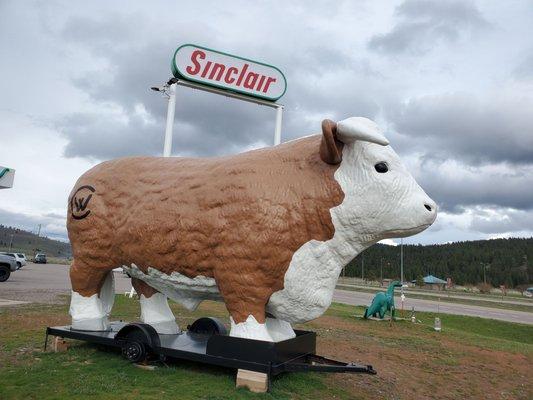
(470, 358)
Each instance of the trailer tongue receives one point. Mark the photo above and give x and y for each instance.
(206, 341)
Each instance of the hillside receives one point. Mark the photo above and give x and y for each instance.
(29, 243)
(507, 261)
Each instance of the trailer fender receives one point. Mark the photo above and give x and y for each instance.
(208, 325)
(143, 333)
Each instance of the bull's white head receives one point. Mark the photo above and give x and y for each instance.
(382, 199)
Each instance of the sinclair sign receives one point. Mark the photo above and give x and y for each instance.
(214, 68)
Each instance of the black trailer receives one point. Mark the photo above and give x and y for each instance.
(207, 341)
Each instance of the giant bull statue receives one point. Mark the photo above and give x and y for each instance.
(267, 231)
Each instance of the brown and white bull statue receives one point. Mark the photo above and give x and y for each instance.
(267, 231)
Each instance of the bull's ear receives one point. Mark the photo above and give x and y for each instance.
(330, 147)
(359, 128)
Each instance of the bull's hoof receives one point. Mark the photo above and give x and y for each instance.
(279, 330)
(250, 329)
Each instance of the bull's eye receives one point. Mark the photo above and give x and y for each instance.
(381, 167)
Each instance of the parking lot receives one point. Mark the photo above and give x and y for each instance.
(44, 283)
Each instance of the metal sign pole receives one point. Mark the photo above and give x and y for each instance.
(170, 120)
(170, 91)
(277, 132)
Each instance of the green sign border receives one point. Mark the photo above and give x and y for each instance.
(4, 171)
(176, 72)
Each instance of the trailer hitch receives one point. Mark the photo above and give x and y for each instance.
(312, 362)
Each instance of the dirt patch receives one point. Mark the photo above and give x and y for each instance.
(45, 296)
(414, 362)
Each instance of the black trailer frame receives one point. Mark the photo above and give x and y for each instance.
(206, 341)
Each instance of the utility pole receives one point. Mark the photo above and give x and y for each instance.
(39, 231)
(363, 266)
(381, 270)
(11, 242)
(401, 259)
(485, 266)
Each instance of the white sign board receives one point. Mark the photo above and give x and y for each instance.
(7, 176)
(226, 71)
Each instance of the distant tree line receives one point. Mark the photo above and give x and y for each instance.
(506, 262)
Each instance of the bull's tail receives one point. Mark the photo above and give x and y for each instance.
(107, 292)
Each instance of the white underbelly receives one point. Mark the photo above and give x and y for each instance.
(189, 292)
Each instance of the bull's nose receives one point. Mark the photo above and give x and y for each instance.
(430, 205)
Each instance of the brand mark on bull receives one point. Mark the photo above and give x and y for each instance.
(80, 200)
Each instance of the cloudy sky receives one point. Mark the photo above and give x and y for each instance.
(451, 83)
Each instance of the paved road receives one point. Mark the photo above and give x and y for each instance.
(452, 295)
(364, 299)
(44, 282)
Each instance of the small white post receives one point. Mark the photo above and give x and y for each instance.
(170, 120)
(277, 132)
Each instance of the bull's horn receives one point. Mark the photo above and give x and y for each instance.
(360, 128)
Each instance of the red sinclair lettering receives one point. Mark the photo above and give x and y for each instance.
(239, 81)
(217, 68)
(231, 75)
(228, 78)
(194, 58)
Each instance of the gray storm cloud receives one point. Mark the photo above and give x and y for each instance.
(449, 82)
(424, 24)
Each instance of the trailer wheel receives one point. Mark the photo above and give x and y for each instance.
(135, 351)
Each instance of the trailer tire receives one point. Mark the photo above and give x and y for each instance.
(138, 342)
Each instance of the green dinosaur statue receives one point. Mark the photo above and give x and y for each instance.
(383, 302)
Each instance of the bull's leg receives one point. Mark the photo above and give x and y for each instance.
(246, 304)
(92, 296)
(279, 330)
(154, 308)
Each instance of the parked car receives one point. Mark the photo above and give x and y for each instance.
(23, 256)
(19, 258)
(40, 258)
(7, 265)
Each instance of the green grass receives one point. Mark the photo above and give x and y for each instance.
(488, 333)
(86, 371)
(91, 372)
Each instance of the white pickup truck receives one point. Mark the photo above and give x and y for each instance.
(7, 265)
